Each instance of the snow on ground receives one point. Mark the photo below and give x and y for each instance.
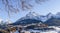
(57, 30)
(50, 32)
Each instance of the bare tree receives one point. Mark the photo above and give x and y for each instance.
(21, 5)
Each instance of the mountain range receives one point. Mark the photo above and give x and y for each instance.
(32, 17)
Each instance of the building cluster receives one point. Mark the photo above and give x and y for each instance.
(30, 28)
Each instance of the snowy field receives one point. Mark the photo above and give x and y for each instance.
(57, 30)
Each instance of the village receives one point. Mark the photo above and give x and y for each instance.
(31, 28)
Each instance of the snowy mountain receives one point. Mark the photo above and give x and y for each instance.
(57, 15)
(46, 17)
(1, 21)
(33, 17)
(30, 15)
(8, 21)
(54, 20)
(49, 15)
(43, 18)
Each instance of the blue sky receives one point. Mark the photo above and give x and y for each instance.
(52, 6)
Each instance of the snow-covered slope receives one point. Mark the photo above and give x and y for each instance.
(33, 15)
(30, 15)
(1, 21)
(57, 15)
(46, 17)
(8, 21)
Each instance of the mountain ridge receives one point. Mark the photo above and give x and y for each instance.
(32, 16)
